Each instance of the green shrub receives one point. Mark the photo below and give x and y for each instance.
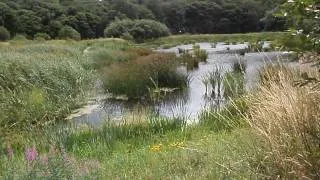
(42, 36)
(139, 30)
(4, 34)
(68, 32)
(148, 29)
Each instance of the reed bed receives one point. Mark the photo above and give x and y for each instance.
(138, 77)
(41, 83)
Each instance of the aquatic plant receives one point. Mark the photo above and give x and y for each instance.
(201, 55)
(206, 82)
(256, 46)
(190, 61)
(227, 118)
(216, 79)
(239, 66)
(134, 78)
(234, 84)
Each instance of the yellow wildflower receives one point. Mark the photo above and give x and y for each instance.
(156, 148)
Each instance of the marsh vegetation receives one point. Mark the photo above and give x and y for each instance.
(223, 106)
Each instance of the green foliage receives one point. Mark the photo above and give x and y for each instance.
(68, 32)
(304, 17)
(148, 29)
(91, 18)
(4, 34)
(42, 36)
(139, 30)
(119, 28)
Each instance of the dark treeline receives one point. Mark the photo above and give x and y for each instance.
(91, 17)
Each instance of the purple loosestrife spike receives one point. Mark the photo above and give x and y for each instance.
(10, 152)
(31, 154)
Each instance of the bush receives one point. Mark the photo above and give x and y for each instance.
(119, 28)
(140, 30)
(42, 36)
(148, 29)
(68, 32)
(20, 37)
(4, 34)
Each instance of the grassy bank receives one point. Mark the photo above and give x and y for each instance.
(156, 148)
(172, 41)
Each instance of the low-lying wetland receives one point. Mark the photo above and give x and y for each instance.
(148, 133)
(223, 73)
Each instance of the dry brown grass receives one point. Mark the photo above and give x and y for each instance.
(288, 118)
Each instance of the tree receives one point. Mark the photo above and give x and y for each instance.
(28, 22)
(119, 28)
(302, 14)
(140, 30)
(4, 34)
(148, 29)
(202, 17)
(68, 32)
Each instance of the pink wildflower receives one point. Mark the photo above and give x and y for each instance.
(31, 154)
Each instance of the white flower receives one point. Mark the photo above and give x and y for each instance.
(290, 1)
(300, 31)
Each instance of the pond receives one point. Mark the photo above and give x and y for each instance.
(192, 101)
